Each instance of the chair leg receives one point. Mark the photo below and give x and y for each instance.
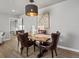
(34, 47)
(27, 50)
(52, 52)
(18, 43)
(22, 49)
(56, 52)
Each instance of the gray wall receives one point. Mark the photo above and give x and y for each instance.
(64, 17)
(4, 22)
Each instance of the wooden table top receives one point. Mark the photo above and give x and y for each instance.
(39, 37)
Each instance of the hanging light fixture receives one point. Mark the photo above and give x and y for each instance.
(31, 9)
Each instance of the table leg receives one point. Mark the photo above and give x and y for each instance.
(40, 47)
(40, 50)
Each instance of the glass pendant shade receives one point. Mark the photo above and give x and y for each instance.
(31, 10)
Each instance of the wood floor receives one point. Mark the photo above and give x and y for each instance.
(10, 50)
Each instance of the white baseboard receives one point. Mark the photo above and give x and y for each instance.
(67, 48)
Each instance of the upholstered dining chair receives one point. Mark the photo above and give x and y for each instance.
(52, 45)
(25, 42)
(17, 35)
(55, 38)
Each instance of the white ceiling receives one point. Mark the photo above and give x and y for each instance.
(19, 5)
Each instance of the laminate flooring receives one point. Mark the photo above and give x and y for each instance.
(10, 49)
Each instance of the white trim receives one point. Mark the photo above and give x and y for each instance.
(67, 48)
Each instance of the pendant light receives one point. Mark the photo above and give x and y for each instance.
(31, 9)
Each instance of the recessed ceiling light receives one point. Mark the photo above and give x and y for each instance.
(13, 10)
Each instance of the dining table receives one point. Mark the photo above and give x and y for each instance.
(40, 38)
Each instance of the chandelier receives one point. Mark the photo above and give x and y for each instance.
(31, 9)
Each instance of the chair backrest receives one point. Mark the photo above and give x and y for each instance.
(19, 31)
(55, 38)
(24, 38)
(42, 32)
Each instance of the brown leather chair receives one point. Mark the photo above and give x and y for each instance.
(42, 32)
(53, 45)
(25, 42)
(55, 38)
(17, 34)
